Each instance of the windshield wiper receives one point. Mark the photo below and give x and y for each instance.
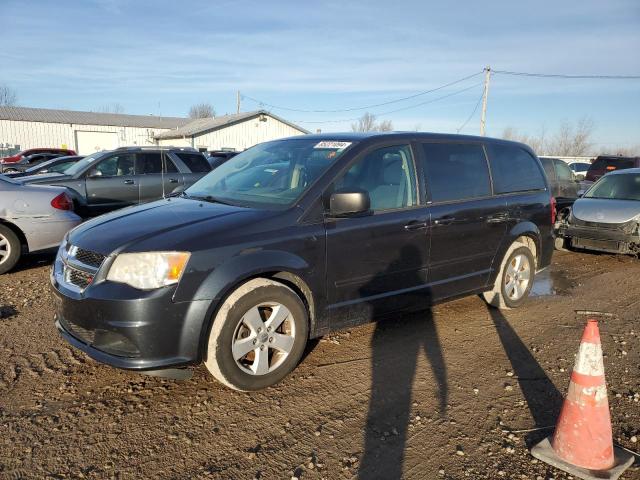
(208, 198)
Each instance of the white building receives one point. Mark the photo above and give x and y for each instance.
(84, 132)
(88, 132)
(234, 132)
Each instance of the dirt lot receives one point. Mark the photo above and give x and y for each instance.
(443, 394)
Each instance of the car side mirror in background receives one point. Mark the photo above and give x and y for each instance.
(349, 203)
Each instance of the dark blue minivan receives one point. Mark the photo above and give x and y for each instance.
(298, 237)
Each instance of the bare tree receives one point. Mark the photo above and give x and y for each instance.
(8, 96)
(573, 140)
(202, 110)
(367, 123)
(113, 107)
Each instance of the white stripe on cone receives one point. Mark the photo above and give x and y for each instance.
(589, 360)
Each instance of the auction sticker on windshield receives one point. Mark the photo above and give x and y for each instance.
(333, 145)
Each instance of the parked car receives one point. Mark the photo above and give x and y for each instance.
(32, 151)
(32, 218)
(126, 176)
(564, 186)
(28, 162)
(55, 165)
(298, 237)
(607, 217)
(579, 169)
(218, 157)
(608, 163)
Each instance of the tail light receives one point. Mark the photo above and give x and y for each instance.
(554, 208)
(62, 202)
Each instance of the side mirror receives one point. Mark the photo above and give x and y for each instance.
(349, 203)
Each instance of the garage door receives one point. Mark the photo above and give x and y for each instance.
(91, 142)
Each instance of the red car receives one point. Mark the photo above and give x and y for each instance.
(25, 153)
(607, 163)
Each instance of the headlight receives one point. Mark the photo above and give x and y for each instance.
(148, 270)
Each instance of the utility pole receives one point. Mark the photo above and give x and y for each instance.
(485, 95)
(238, 102)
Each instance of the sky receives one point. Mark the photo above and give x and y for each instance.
(160, 57)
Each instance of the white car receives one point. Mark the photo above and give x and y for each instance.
(579, 169)
(32, 218)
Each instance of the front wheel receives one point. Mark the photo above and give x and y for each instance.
(10, 249)
(514, 281)
(258, 335)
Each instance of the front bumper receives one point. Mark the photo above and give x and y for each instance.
(610, 240)
(128, 328)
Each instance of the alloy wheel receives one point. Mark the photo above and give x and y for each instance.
(263, 338)
(5, 248)
(517, 277)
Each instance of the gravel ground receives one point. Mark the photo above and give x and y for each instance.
(451, 393)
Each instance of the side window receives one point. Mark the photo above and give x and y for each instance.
(388, 175)
(116, 166)
(547, 165)
(563, 171)
(151, 162)
(456, 171)
(194, 161)
(514, 169)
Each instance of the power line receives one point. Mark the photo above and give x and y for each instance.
(558, 75)
(382, 114)
(473, 112)
(279, 107)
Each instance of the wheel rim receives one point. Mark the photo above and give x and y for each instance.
(5, 248)
(263, 338)
(517, 277)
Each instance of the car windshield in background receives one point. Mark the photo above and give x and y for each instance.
(617, 187)
(80, 165)
(272, 174)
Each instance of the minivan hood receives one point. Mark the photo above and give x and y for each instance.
(605, 210)
(157, 222)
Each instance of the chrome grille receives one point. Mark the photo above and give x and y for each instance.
(77, 277)
(89, 258)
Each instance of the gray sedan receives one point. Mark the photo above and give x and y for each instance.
(607, 217)
(32, 218)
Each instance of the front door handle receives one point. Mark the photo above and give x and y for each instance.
(444, 221)
(415, 225)
(128, 182)
(173, 180)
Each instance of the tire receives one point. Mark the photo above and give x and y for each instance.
(11, 170)
(10, 249)
(502, 296)
(242, 325)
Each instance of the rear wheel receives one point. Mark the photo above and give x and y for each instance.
(258, 335)
(10, 249)
(515, 279)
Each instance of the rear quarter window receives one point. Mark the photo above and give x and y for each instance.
(514, 169)
(196, 162)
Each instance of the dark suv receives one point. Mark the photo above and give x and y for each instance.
(608, 163)
(295, 238)
(126, 176)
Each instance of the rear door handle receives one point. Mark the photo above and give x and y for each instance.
(444, 221)
(128, 182)
(415, 225)
(498, 218)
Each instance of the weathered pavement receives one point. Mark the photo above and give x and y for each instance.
(442, 394)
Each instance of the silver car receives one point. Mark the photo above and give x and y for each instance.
(606, 218)
(32, 218)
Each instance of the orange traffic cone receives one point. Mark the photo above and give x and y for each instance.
(582, 443)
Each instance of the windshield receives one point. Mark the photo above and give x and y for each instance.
(580, 167)
(80, 165)
(270, 174)
(616, 187)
